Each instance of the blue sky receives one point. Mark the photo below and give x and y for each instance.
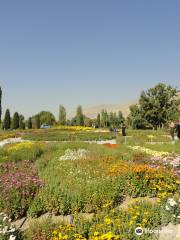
(85, 52)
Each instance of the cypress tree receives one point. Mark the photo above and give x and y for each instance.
(62, 115)
(98, 120)
(16, 120)
(37, 121)
(79, 116)
(29, 123)
(7, 120)
(21, 122)
(0, 104)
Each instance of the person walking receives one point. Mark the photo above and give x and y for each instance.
(172, 130)
(178, 129)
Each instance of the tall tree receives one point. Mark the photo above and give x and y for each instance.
(121, 118)
(98, 120)
(37, 121)
(29, 123)
(0, 104)
(21, 122)
(136, 119)
(16, 120)
(158, 104)
(7, 120)
(62, 115)
(79, 116)
(104, 118)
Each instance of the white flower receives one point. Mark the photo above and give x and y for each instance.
(12, 237)
(172, 202)
(5, 218)
(74, 154)
(167, 208)
(12, 230)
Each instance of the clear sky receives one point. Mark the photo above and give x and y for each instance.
(85, 52)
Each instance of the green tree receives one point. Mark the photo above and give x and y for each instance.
(98, 120)
(121, 118)
(21, 122)
(158, 104)
(46, 118)
(104, 118)
(88, 122)
(136, 119)
(29, 123)
(7, 120)
(37, 121)
(0, 104)
(16, 120)
(62, 115)
(79, 116)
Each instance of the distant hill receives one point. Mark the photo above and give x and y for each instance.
(93, 111)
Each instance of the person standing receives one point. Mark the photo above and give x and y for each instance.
(178, 129)
(172, 130)
(124, 133)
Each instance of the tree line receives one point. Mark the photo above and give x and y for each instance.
(155, 108)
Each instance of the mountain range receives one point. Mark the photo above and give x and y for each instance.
(93, 111)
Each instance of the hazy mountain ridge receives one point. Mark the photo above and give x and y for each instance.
(93, 111)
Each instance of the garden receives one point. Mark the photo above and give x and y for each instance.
(62, 183)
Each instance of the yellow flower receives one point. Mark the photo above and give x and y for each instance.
(108, 221)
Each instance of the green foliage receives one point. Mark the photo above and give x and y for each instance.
(112, 120)
(21, 151)
(37, 121)
(60, 135)
(29, 123)
(156, 107)
(40, 230)
(136, 120)
(15, 121)
(0, 104)
(88, 122)
(79, 116)
(7, 120)
(21, 122)
(158, 104)
(47, 118)
(98, 120)
(104, 118)
(62, 115)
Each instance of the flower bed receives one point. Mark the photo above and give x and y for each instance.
(149, 151)
(19, 184)
(21, 151)
(112, 224)
(143, 180)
